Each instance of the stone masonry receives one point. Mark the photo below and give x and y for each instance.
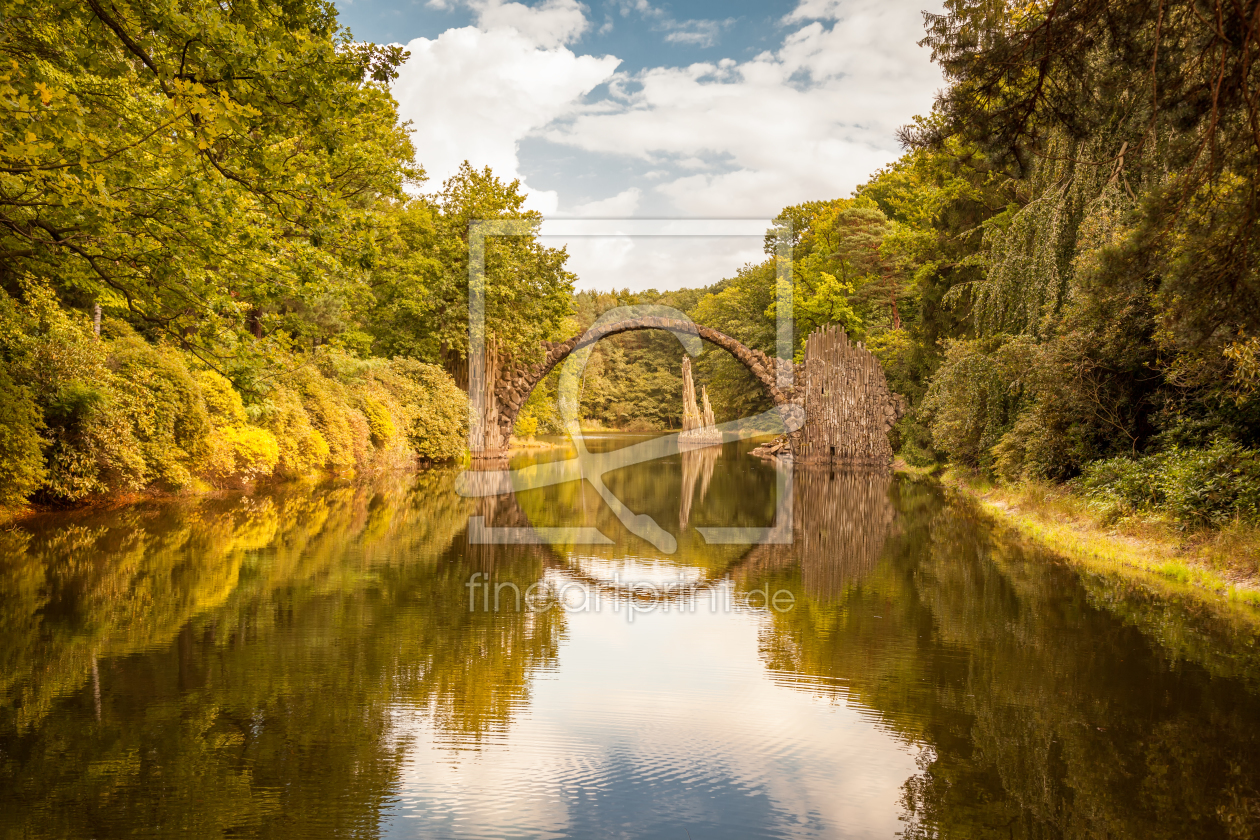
(841, 386)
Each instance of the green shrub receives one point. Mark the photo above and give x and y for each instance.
(974, 396)
(1212, 485)
(235, 453)
(380, 423)
(301, 448)
(119, 413)
(99, 453)
(438, 429)
(1194, 486)
(241, 454)
(91, 444)
(21, 456)
(1038, 446)
(53, 355)
(526, 425)
(223, 403)
(1121, 485)
(913, 441)
(165, 405)
(74, 404)
(343, 427)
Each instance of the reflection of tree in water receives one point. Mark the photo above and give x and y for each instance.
(1045, 704)
(252, 660)
(1093, 726)
(840, 521)
(697, 468)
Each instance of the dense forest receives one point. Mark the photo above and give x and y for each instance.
(222, 262)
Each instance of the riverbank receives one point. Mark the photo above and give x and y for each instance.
(516, 444)
(1223, 563)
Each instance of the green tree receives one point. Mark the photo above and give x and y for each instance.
(1129, 133)
(421, 285)
(21, 459)
(198, 167)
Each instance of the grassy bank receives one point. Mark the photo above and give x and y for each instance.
(1221, 562)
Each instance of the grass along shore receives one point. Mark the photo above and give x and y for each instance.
(1220, 563)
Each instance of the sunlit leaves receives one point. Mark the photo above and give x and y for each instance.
(176, 159)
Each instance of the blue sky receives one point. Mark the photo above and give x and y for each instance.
(662, 34)
(640, 109)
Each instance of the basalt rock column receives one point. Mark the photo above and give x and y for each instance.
(698, 426)
(691, 413)
(706, 410)
(848, 407)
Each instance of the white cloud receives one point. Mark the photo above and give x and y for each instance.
(702, 33)
(643, 7)
(817, 10)
(547, 25)
(808, 120)
(474, 93)
(618, 206)
(629, 262)
(811, 120)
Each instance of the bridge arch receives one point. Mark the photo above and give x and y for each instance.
(516, 383)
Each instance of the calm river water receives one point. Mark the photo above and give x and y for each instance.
(327, 662)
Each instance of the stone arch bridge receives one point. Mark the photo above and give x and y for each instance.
(841, 386)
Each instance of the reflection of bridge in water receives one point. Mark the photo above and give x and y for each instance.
(840, 520)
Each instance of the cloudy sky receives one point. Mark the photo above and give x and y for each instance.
(619, 109)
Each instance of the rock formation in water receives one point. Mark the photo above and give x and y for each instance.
(706, 409)
(698, 426)
(848, 407)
